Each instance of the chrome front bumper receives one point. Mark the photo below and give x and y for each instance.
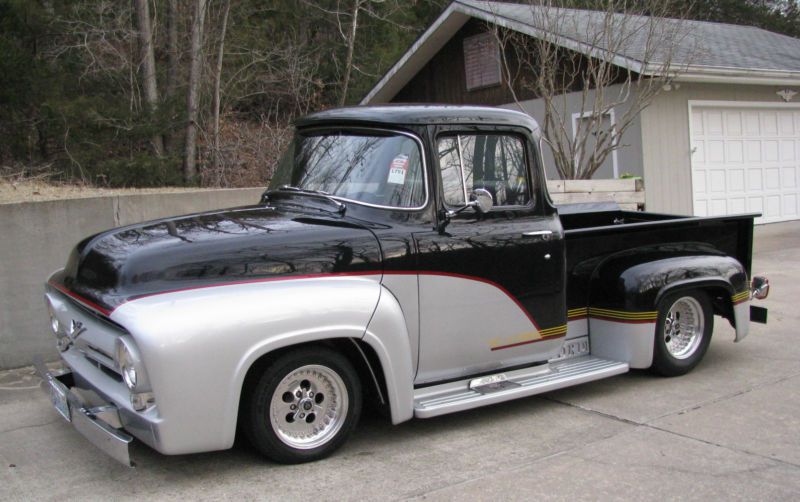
(99, 424)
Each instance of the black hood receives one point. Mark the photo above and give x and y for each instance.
(234, 245)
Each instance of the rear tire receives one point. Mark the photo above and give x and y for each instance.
(683, 332)
(304, 406)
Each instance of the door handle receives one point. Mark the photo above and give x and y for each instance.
(544, 234)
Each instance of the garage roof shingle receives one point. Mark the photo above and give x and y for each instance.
(703, 44)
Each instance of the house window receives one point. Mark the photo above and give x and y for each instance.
(591, 125)
(481, 61)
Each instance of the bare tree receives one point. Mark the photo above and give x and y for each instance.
(192, 93)
(102, 36)
(382, 10)
(217, 79)
(615, 57)
(172, 47)
(171, 140)
(148, 66)
(350, 40)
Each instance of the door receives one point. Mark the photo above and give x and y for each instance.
(746, 159)
(491, 287)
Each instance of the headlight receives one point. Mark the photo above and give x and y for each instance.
(129, 364)
(55, 325)
(63, 342)
(129, 375)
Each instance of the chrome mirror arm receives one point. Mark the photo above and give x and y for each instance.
(452, 212)
(481, 201)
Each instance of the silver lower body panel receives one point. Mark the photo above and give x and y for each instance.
(98, 424)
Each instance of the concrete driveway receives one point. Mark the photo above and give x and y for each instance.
(729, 430)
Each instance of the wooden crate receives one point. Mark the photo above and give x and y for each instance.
(628, 193)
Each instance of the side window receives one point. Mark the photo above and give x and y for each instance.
(495, 162)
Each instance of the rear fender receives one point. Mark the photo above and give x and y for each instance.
(625, 291)
(638, 285)
(731, 303)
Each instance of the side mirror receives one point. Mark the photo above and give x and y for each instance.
(481, 199)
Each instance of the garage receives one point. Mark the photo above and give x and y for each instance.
(734, 103)
(745, 158)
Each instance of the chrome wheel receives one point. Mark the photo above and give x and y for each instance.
(684, 326)
(309, 407)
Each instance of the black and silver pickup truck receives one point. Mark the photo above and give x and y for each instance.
(408, 256)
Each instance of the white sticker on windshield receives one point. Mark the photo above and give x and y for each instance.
(398, 169)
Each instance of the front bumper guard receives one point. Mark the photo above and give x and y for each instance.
(99, 424)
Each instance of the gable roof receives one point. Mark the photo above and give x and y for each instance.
(709, 52)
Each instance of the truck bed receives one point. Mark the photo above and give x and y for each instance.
(590, 236)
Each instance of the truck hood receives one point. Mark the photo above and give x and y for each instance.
(205, 249)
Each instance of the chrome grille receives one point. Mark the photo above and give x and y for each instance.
(97, 337)
(100, 358)
(107, 370)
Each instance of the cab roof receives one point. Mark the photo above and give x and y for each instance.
(416, 115)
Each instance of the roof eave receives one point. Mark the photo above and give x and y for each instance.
(739, 76)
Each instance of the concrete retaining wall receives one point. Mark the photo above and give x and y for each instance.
(36, 238)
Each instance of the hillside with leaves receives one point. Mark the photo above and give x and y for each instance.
(81, 98)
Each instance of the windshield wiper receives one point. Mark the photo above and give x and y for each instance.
(340, 207)
(291, 188)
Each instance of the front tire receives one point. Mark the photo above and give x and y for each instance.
(683, 332)
(304, 406)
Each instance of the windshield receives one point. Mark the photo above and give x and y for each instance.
(384, 170)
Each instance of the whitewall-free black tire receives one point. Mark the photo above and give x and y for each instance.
(303, 406)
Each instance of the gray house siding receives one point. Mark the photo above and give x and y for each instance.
(629, 155)
(666, 147)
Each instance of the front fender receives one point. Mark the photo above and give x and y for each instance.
(387, 334)
(198, 345)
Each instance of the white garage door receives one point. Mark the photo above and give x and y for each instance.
(746, 159)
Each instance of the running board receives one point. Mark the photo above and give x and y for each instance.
(467, 394)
